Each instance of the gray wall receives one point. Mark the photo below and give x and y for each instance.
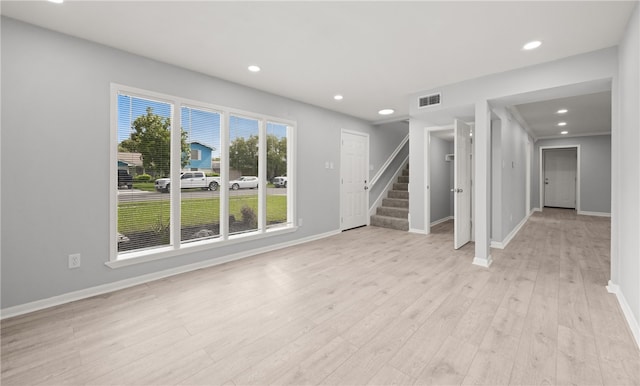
(595, 171)
(441, 179)
(417, 163)
(387, 138)
(508, 174)
(496, 180)
(55, 158)
(625, 245)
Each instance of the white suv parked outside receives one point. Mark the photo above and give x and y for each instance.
(280, 182)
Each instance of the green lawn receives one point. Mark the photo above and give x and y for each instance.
(146, 186)
(142, 216)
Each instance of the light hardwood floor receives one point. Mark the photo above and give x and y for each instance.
(368, 306)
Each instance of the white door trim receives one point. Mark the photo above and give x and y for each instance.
(528, 161)
(427, 181)
(366, 209)
(541, 173)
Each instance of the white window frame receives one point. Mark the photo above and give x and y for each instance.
(176, 247)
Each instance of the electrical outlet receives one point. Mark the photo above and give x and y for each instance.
(74, 261)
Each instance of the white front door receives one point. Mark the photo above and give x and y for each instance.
(560, 172)
(354, 177)
(462, 184)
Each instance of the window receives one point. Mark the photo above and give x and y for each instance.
(222, 175)
(144, 126)
(243, 162)
(277, 166)
(200, 198)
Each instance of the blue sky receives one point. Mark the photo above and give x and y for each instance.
(202, 126)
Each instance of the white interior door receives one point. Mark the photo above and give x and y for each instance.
(462, 184)
(560, 172)
(354, 180)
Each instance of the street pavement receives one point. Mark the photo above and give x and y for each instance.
(135, 195)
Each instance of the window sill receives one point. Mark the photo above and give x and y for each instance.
(140, 257)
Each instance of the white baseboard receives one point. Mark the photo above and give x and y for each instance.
(599, 214)
(536, 210)
(486, 263)
(496, 244)
(626, 310)
(118, 285)
(418, 231)
(441, 220)
(503, 244)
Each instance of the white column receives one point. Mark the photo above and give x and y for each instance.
(481, 182)
(616, 145)
(417, 185)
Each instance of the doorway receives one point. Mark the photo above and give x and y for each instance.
(462, 184)
(354, 180)
(450, 192)
(560, 177)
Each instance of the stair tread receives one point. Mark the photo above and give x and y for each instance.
(395, 207)
(387, 222)
(391, 217)
(399, 200)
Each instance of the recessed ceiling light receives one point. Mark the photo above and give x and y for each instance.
(253, 68)
(562, 123)
(56, 1)
(337, 97)
(532, 45)
(564, 132)
(562, 111)
(386, 112)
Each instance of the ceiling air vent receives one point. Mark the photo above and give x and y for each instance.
(429, 100)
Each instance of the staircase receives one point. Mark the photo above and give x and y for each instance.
(394, 212)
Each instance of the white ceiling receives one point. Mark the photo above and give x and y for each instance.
(373, 53)
(588, 114)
